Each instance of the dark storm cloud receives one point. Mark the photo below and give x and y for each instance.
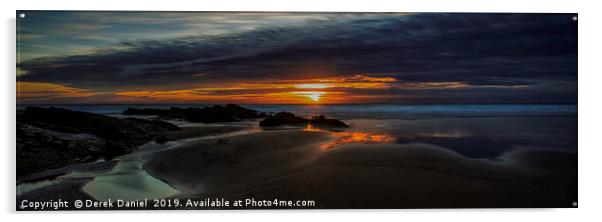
(476, 49)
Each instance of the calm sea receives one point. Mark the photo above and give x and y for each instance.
(365, 111)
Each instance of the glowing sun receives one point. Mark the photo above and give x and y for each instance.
(313, 96)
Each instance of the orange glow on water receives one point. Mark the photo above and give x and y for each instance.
(311, 127)
(357, 137)
(343, 138)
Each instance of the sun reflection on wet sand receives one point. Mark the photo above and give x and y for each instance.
(352, 137)
(311, 127)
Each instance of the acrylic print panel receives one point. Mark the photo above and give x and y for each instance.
(281, 110)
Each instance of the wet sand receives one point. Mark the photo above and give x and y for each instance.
(292, 165)
(116, 178)
(234, 162)
(191, 132)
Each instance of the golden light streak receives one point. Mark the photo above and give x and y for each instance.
(327, 90)
(357, 137)
(265, 93)
(373, 79)
(433, 85)
(354, 78)
(343, 138)
(31, 90)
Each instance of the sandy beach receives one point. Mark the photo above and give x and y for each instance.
(429, 163)
(68, 183)
(192, 132)
(291, 164)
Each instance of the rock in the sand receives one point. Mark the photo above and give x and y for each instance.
(241, 112)
(48, 138)
(321, 120)
(286, 118)
(282, 118)
(212, 114)
(41, 149)
(159, 123)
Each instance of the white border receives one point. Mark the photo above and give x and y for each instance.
(589, 108)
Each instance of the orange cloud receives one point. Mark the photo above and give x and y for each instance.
(354, 82)
(305, 91)
(433, 85)
(286, 92)
(313, 86)
(330, 90)
(196, 95)
(364, 78)
(358, 78)
(35, 90)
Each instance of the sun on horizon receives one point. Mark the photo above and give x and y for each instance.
(313, 96)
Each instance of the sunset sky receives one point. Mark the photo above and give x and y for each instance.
(295, 58)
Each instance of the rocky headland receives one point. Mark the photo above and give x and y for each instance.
(49, 138)
(211, 114)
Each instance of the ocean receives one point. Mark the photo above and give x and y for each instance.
(369, 111)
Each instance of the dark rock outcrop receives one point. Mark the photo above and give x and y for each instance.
(286, 118)
(322, 121)
(213, 114)
(241, 112)
(40, 149)
(49, 138)
(282, 118)
(158, 123)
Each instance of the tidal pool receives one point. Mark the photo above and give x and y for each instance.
(128, 180)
